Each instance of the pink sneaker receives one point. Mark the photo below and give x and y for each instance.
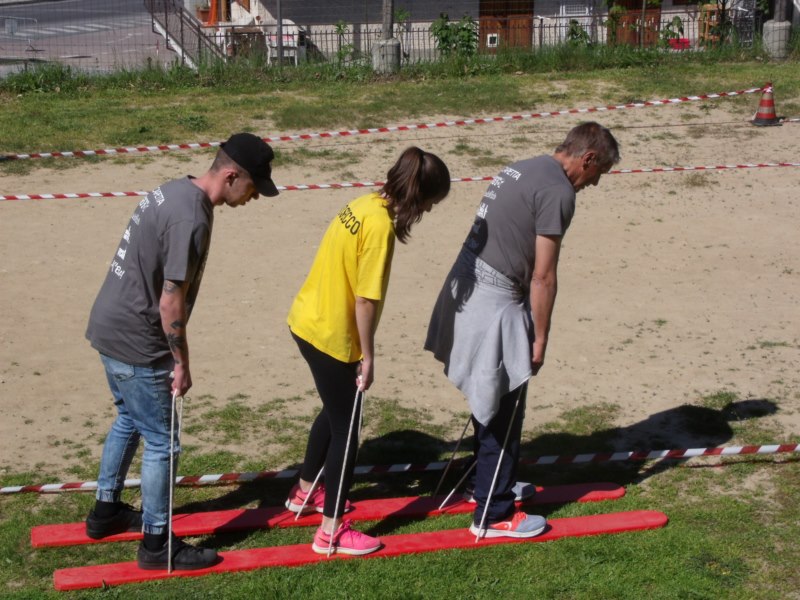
(519, 525)
(345, 541)
(315, 502)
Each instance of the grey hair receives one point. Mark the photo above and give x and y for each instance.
(591, 136)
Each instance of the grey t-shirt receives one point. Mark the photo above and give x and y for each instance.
(167, 238)
(528, 198)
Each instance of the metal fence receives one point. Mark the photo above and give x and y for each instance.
(107, 35)
(680, 30)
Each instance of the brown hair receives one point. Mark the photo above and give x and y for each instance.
(416, 179)
(591, 136)
(223, 161)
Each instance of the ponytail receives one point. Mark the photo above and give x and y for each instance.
(417, 181)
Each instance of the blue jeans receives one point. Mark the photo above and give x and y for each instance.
(143, 397)
(488, 447)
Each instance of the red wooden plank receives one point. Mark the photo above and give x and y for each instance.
(394, 545)
(365, 510)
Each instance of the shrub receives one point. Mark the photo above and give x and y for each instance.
(459, 39)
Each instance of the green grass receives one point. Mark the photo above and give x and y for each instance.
(771, 344)
(63, 110)
(733, 522)
(732, 531)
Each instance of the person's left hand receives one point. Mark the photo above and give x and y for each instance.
(537, 357)
(366, 375)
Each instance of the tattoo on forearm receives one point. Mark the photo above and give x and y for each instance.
(176, 342)
(170, 288)
(177, 324)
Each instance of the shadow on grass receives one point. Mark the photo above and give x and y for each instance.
(682, 427)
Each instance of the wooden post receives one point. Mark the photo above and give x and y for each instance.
(388, 25)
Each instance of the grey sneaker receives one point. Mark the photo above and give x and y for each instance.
(184, 557)
(519, 525)
(127, 519)
(522, 491)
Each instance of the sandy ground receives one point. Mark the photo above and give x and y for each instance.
(672, 285)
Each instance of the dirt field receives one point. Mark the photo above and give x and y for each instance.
(672, 285)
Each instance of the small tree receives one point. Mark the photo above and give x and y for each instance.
(615, 14)
(722, 30)
(577, 35)
(401, 25)
(458, 39)
(671, 31)
(401, 17)
(343, 51)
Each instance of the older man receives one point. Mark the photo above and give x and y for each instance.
(491, 321)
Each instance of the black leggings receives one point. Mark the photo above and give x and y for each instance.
(336, 385)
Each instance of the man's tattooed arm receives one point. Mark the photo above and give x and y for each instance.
(176, 340)
(170, 287)
(172, 306)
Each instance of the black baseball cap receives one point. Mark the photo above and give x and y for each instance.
(254, 155)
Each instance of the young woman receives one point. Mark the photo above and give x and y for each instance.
(333, 320)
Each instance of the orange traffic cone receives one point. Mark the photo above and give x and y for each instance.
(766, 109)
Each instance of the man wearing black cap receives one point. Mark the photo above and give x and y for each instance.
(138, 325)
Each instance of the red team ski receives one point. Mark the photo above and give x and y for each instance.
(301, 554)
(393, 545)
(205, 523)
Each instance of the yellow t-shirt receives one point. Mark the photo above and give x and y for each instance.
(354, 259)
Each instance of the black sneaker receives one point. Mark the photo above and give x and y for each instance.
(184, 557)
(127, 519)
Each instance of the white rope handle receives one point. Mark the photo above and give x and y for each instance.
(359, 392)
(308, 494)
(172, 474)
(450, 462)
(481, 530)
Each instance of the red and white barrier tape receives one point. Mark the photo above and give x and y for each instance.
(575, 459)
(705, 168)
(71, 195)
(386, 129)
(363, 184)
(683, 453)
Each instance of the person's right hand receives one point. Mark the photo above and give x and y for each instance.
(181, 379)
